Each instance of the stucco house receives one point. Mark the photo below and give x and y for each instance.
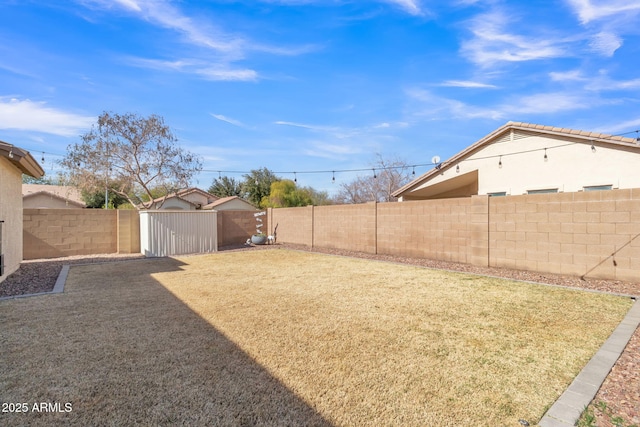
(189, 199)
(41, 196)
(231, 203)
(523, 158)
(13, 163)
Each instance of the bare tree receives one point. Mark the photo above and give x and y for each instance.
(130, 155)
(385, 177)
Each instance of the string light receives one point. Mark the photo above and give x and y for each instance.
(295, 177)
(437, 166)
(374, 173)
(545, 155)
(333, 179)
(457, 168)
(414, 171)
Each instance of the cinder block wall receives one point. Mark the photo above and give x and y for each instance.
(51, 233)
(449, 229)
(235, 227)
(128, 232)
(350, 227)
(295, 225)
(591, 234)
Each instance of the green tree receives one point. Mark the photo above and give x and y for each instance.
(257, 185)
(96, 199)
(45, 180)
(225, 187)
(131, 155)
(285, 194)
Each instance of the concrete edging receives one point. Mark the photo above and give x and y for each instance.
(58, 288)
(569, 407)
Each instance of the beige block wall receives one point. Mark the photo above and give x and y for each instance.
(591, 234)
(11, 214)
(51, 233)
(349, 227)
(236, 226)
(128, 240)
(295, 225)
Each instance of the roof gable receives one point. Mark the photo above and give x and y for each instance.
(66, 200)
(512, 131)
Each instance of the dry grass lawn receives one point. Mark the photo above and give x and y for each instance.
(279, 337)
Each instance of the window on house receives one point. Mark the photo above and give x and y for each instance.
(598, 187)
(497, 194)
(543, 191)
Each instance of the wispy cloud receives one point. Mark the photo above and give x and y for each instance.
(220, 72)
(593, 10)
(605, 43)
(228, 120)
(598, 83)
(492, 44)
(562, 76)
(607, 21)
(26, 115)
(623, 126)
(412, 7)
(549, 103)
(467, 84)
(209, 39)
(438, 108)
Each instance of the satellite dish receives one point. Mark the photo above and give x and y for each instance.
(435, 160)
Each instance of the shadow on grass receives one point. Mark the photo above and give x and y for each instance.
(117, 348)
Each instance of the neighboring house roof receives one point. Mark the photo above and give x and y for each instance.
(229, 200)
(187, 195)
(21, 159)
(570, 135)
(65, 192)
(47, 194)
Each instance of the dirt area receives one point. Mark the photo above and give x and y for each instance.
(620, 391)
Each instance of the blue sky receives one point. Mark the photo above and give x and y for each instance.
(307, 85)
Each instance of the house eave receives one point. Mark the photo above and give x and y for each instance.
(21, 159)
(577, 135)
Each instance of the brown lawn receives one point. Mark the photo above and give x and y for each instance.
(281, 337)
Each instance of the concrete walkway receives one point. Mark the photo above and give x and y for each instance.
(567, 409)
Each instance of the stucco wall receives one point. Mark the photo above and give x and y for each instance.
(11, 214)
(515, 164)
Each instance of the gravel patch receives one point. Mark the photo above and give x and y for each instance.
(620, 391)
(40, 275)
